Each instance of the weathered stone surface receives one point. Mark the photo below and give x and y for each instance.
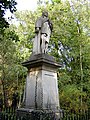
(31, 114)
(30, 90)
(43, 29)
(41, 85)
(39, 60)
(50, 90)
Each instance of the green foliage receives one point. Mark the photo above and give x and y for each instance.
(5, 5)
(10, 72)
(25, 31)
(70, 98)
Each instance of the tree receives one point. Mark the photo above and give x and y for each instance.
(5, 5)
(81, 10)
(25, 31)
(7, 61)
(10, 63)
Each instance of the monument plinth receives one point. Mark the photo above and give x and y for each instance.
(41, 84)
(41, 90)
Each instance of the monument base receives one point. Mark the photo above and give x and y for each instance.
(30, 114)
(41, 97)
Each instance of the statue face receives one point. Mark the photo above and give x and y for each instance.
(45, 14)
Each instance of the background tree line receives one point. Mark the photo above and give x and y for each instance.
(69, 44)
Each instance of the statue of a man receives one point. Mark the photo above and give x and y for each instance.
(43, 29)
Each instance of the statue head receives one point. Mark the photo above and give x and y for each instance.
(45, 13)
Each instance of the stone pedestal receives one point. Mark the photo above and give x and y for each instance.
(41, 91)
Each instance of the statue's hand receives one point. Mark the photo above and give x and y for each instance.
(36, 30)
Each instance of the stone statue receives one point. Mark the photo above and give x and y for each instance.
(43, 29)
(41, 91)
